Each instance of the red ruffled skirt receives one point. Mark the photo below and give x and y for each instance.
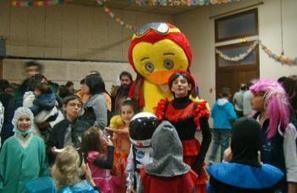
(191, 149)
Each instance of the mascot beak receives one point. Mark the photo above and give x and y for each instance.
(159, 77)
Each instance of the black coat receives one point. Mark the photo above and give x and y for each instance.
(57, 135)
(7, 101)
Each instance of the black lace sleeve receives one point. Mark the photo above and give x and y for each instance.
(206, 139)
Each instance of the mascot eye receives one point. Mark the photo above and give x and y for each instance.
(149, 67)
(168, 64)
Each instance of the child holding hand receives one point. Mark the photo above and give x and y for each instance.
(98, 153)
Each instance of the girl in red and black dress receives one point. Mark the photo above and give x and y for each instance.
(188, 117)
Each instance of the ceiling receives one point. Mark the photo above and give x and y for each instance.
(132, 6)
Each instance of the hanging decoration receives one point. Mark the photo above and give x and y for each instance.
(240, 56)
(279, 58)
(181, 2)
(132, 28)
(37, 3)
(114, 17)
(40, 3)
(282, 58)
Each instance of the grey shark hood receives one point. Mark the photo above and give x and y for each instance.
(167, 153)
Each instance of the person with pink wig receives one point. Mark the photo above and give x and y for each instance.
(271, 104)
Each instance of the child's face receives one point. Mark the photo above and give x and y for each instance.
(72, 109)
(24, 123)
(127, 113)
(258, 102)
(180, 87)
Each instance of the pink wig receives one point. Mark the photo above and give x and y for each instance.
(276, 104)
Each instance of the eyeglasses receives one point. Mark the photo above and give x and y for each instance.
(159, 27)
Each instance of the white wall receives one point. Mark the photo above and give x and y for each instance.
(61, 71)
(199, 28)
(68, 31)
(270, 34)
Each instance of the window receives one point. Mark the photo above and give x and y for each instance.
(240, 25)
(229, 32)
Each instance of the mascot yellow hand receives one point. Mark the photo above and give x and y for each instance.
(156, 51)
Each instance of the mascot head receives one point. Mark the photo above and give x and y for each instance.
(156, 51)
(142, 127)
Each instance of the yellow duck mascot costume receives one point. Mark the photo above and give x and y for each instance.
(156, 51)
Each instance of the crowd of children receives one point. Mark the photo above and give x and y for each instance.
(74, 139)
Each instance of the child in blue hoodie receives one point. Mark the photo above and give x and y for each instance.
(223, 115)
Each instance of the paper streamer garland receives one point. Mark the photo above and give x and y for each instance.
(114, 17)
(158, 3)
(38, 3)
(181, 2)
(240, 56)
(279, 58)
(41, 3)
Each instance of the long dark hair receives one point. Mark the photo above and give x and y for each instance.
(4, 84)
(290, 86)
(95, 84)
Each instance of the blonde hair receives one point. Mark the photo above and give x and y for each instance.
(66, 170)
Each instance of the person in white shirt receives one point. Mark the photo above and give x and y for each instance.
(238, 100)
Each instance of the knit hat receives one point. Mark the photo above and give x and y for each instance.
(22, 112)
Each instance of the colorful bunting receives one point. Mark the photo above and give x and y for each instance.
(37, 3)
(114, 17)
(181, 2)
